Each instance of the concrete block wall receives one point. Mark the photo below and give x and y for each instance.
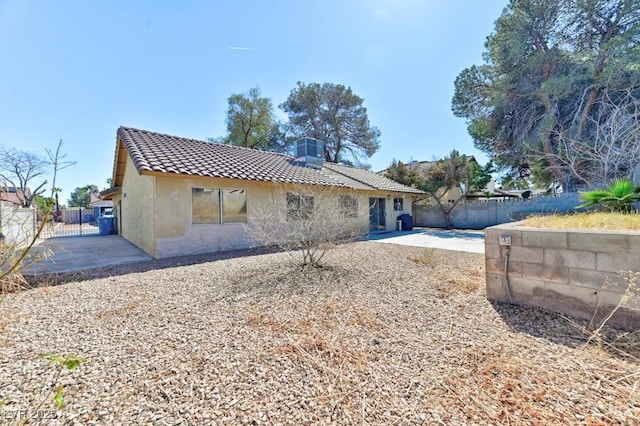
(18, 224)
(479, 215)
(566, 271)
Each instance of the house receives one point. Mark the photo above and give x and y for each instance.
(176, 196)
(14, 195)
(99, 206)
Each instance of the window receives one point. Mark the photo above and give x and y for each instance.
(218, 206)
(348, 205)
(398, 204)
(299, 206)
(234, 205)
(205, 205)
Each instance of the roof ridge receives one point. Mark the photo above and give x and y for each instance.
(226, 145)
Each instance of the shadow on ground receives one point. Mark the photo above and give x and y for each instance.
(567, 331)
(57, 278)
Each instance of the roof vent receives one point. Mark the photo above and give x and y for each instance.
(309, 151)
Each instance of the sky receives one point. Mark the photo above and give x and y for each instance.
(77, 70)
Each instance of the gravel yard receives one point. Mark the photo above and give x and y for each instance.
(383, 334)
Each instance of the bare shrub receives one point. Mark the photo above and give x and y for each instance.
(307, 221)
(22, 227)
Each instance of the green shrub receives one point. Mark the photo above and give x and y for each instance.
(620, 196)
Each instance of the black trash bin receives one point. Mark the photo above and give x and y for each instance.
(105, 225)
(407, 222)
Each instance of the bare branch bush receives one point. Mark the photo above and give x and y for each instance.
(623, 343)
(611, 147)
(307, 221)
(21, 229)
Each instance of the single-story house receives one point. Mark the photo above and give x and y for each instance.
(14, 195)
(175, 196)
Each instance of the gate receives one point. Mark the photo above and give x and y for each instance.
(80, 222)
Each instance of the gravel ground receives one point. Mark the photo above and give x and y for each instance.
(382, 334)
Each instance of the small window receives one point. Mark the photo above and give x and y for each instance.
(348, 205)
(299, 206)
(398, 204)
(234, 205)
(205, 205)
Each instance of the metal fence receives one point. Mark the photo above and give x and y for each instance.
(76, 222)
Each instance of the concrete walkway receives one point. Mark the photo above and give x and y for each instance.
(453, 239)
(77, 253)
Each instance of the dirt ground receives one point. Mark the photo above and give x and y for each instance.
(382, 334)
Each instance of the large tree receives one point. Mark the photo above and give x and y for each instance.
(81, 195)
(548, 65)
(400, 172)
(251, 122)
(454, 172)
(335, 115)
(19, 169)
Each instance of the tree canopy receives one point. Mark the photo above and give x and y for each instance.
(80, 196)
(552, 69)
(19, 169)
(455, 171)
(251, 122)
(400, 172)
(335, 115)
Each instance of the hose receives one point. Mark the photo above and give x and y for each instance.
(506, 274)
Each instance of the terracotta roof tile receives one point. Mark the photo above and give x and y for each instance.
(171, 154)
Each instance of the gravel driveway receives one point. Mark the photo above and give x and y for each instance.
(383, 334)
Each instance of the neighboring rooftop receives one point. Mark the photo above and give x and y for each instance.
(12, 194)
(161, 153)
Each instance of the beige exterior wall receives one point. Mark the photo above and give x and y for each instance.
(154, 212)
(177, 235)
(134, 208)
(567, 271)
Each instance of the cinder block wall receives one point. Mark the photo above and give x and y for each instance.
(479, 215)
(567, 271)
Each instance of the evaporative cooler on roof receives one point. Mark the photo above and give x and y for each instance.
(310, 151)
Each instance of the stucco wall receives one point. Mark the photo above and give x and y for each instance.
(567, 271)
(135, 212)
(18, 224)
(177, 235)
(479, 215)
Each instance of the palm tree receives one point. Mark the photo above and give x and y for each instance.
(620, 196)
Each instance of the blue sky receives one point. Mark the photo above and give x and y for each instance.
(76, 70)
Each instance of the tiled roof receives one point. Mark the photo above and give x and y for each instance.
(156, 152)
(373, 180)
(12, 195)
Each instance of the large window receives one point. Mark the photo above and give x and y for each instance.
(234, 205)
(398, 204)
(299, 206)
(348, 205)
(218, 206)
(205, 204)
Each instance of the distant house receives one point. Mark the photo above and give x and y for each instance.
(99, 206)
(175, 196)
(422, 167)
(13, 195)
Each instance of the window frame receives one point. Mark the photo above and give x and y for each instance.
(295, 199)
(398, 201)
(348, 205)
(220, 201)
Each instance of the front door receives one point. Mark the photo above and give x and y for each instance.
(377, 214)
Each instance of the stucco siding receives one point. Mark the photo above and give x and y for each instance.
(136, 212)
(177, 235)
